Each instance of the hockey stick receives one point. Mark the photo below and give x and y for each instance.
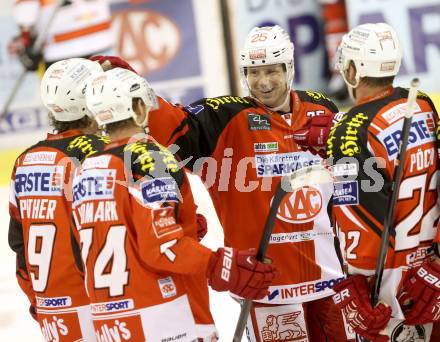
(316, 174)
(392, 200)
(36, 48)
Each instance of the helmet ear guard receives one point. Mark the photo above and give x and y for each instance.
(63, 85)
(267, 46)
(110, 95)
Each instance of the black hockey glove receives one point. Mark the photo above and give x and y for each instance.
(23, 47)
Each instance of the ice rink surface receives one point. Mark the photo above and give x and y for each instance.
(16, 325)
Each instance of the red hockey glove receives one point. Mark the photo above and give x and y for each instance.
(33, 312)
(202, 226)
(314, 135)
(422, 290)
(239, 272)
(352, 297)
(115, 62)
(23, 47)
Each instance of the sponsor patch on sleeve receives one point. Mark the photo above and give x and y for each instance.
(160, 190)
(164, 222)
(346, 193)
(167, 287)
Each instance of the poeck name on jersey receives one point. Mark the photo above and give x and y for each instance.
(93, 184)
(421, 132)
(39, 181)
(280, 164)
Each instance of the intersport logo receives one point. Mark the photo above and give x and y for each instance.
(147, 40)
(301, 206)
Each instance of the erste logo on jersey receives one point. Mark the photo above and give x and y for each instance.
(422, 131)
(39, 181)
(93, 184)
(162, 189)
(280, 164)
(301, 206)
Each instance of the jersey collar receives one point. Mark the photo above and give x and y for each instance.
(379, 95)
(65, 134)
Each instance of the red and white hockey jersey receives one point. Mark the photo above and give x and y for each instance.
(80, 28)
(364, 145)
(243, 150)
(40, 233)
(145, 270)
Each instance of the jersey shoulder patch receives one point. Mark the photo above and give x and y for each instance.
(317, 98)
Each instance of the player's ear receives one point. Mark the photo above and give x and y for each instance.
(350, 73)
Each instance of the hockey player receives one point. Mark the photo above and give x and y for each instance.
(48, 263)
(249, 142)
(136, 221)
(366, 142)
(78, 29)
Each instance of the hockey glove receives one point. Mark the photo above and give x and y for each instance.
(110, 62)
(202, 226)
(422, 291)
(23, 47)
(239, 272)
(313, 137)
(352, 297)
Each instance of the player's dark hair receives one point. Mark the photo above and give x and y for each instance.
(63, 126)
(115, 126)
(378, 81)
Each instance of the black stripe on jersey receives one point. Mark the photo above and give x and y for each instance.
(317, 98)
(374, 228)
(148, 159)
(177, 130)
(78, 146)
(206, 121)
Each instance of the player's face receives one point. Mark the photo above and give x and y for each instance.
(268, 84)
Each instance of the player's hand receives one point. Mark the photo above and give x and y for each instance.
(352, 297)
(23, 47)
(110, 62)
(313, 137)
(239, 272)
(202, 226)
(420, 299)
(33, 312)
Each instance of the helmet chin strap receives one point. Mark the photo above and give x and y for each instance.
(286, 100)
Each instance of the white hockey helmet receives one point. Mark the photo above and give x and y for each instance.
(373, 48)
(62, 88)
(109, 96)
(267, 45)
